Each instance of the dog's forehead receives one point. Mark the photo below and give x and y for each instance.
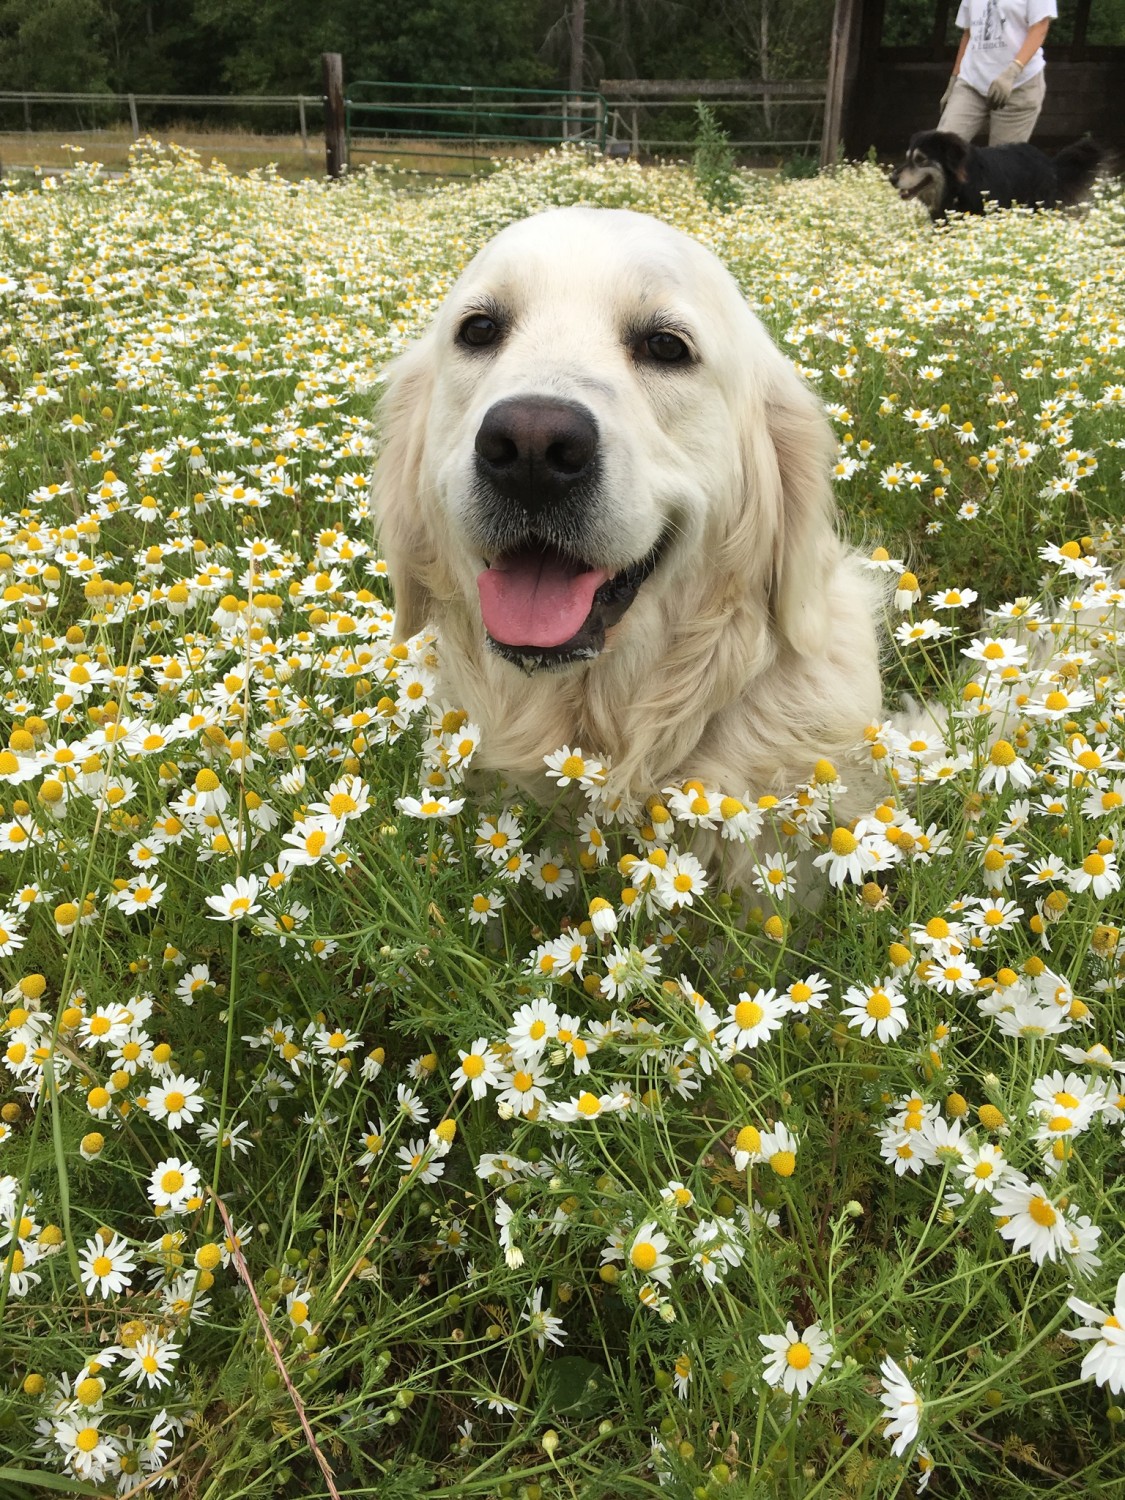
(612, 257)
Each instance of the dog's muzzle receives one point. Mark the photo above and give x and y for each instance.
(544, 604)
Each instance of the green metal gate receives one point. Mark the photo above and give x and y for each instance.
(453, 130)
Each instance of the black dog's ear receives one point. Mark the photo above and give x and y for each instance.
(957, 156)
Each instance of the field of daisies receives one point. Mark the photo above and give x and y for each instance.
(365, 1128)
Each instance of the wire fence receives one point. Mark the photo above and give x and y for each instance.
(762, 119)
(442, 129)
(48, 129)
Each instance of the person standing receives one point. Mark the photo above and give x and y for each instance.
(998, 72)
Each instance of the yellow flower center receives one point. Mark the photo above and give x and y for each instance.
(1042, 1212)
(644, 1256)
(798, 1356)
(747, 1013)
(843, 842)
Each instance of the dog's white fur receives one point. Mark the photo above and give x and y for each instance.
(752, 650)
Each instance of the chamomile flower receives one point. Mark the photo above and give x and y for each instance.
(751, 1019)
(534, 1025)
(419, 1158)
(570, 765)
(878, 1008)
(1030, 1220)
(775, 876)
(1004, 768)
(794, 1361)
(87, 1452)
(176, 1100)
(549, 874)
(106, 1265)
(236, 901)
(901, 1403)
(172, 1184)
(151, 1361)
(982, 1168)
(805, 995)
(439, 809)
(648, 1253)
(484, 905)
(479, 1068)
(520, 1089)
(545, 1328)
(680, 881)
(499, 837)
(778, 1148)
(1104, 1361)
(853, 854)
(1098, 873)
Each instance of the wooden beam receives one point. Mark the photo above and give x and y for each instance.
(710, 88)
(335, 133)
(1081, 21)
(843, 36)
(941, 23)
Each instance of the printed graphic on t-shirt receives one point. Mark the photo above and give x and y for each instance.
(991, 35)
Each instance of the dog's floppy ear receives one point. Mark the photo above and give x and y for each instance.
(403, 532)
(956, 156)
(807, 548)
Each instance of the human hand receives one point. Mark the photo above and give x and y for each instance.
(1000, 89)
(949, 87)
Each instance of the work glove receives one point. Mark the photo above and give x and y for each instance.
(949, 87)
(1000, 89)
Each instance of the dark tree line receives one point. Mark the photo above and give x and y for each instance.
(274, 46)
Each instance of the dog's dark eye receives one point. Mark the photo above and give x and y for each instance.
(478, 331)
(665, 348)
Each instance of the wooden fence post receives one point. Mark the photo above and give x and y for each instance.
(335, 136)
(839, 68)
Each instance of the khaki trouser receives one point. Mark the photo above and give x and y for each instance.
(967, 112)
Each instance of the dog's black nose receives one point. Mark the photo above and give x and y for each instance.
(535, 450)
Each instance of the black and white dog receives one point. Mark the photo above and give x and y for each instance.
(951, 176)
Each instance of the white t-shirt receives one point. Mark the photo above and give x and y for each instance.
(997, 30)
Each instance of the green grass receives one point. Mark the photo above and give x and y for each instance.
(198, 660)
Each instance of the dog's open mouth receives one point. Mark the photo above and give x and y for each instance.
(543, 609)
(906, 193)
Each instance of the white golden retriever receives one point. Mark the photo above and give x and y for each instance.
(608, 492)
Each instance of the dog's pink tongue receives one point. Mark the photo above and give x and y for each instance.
(532, 599)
